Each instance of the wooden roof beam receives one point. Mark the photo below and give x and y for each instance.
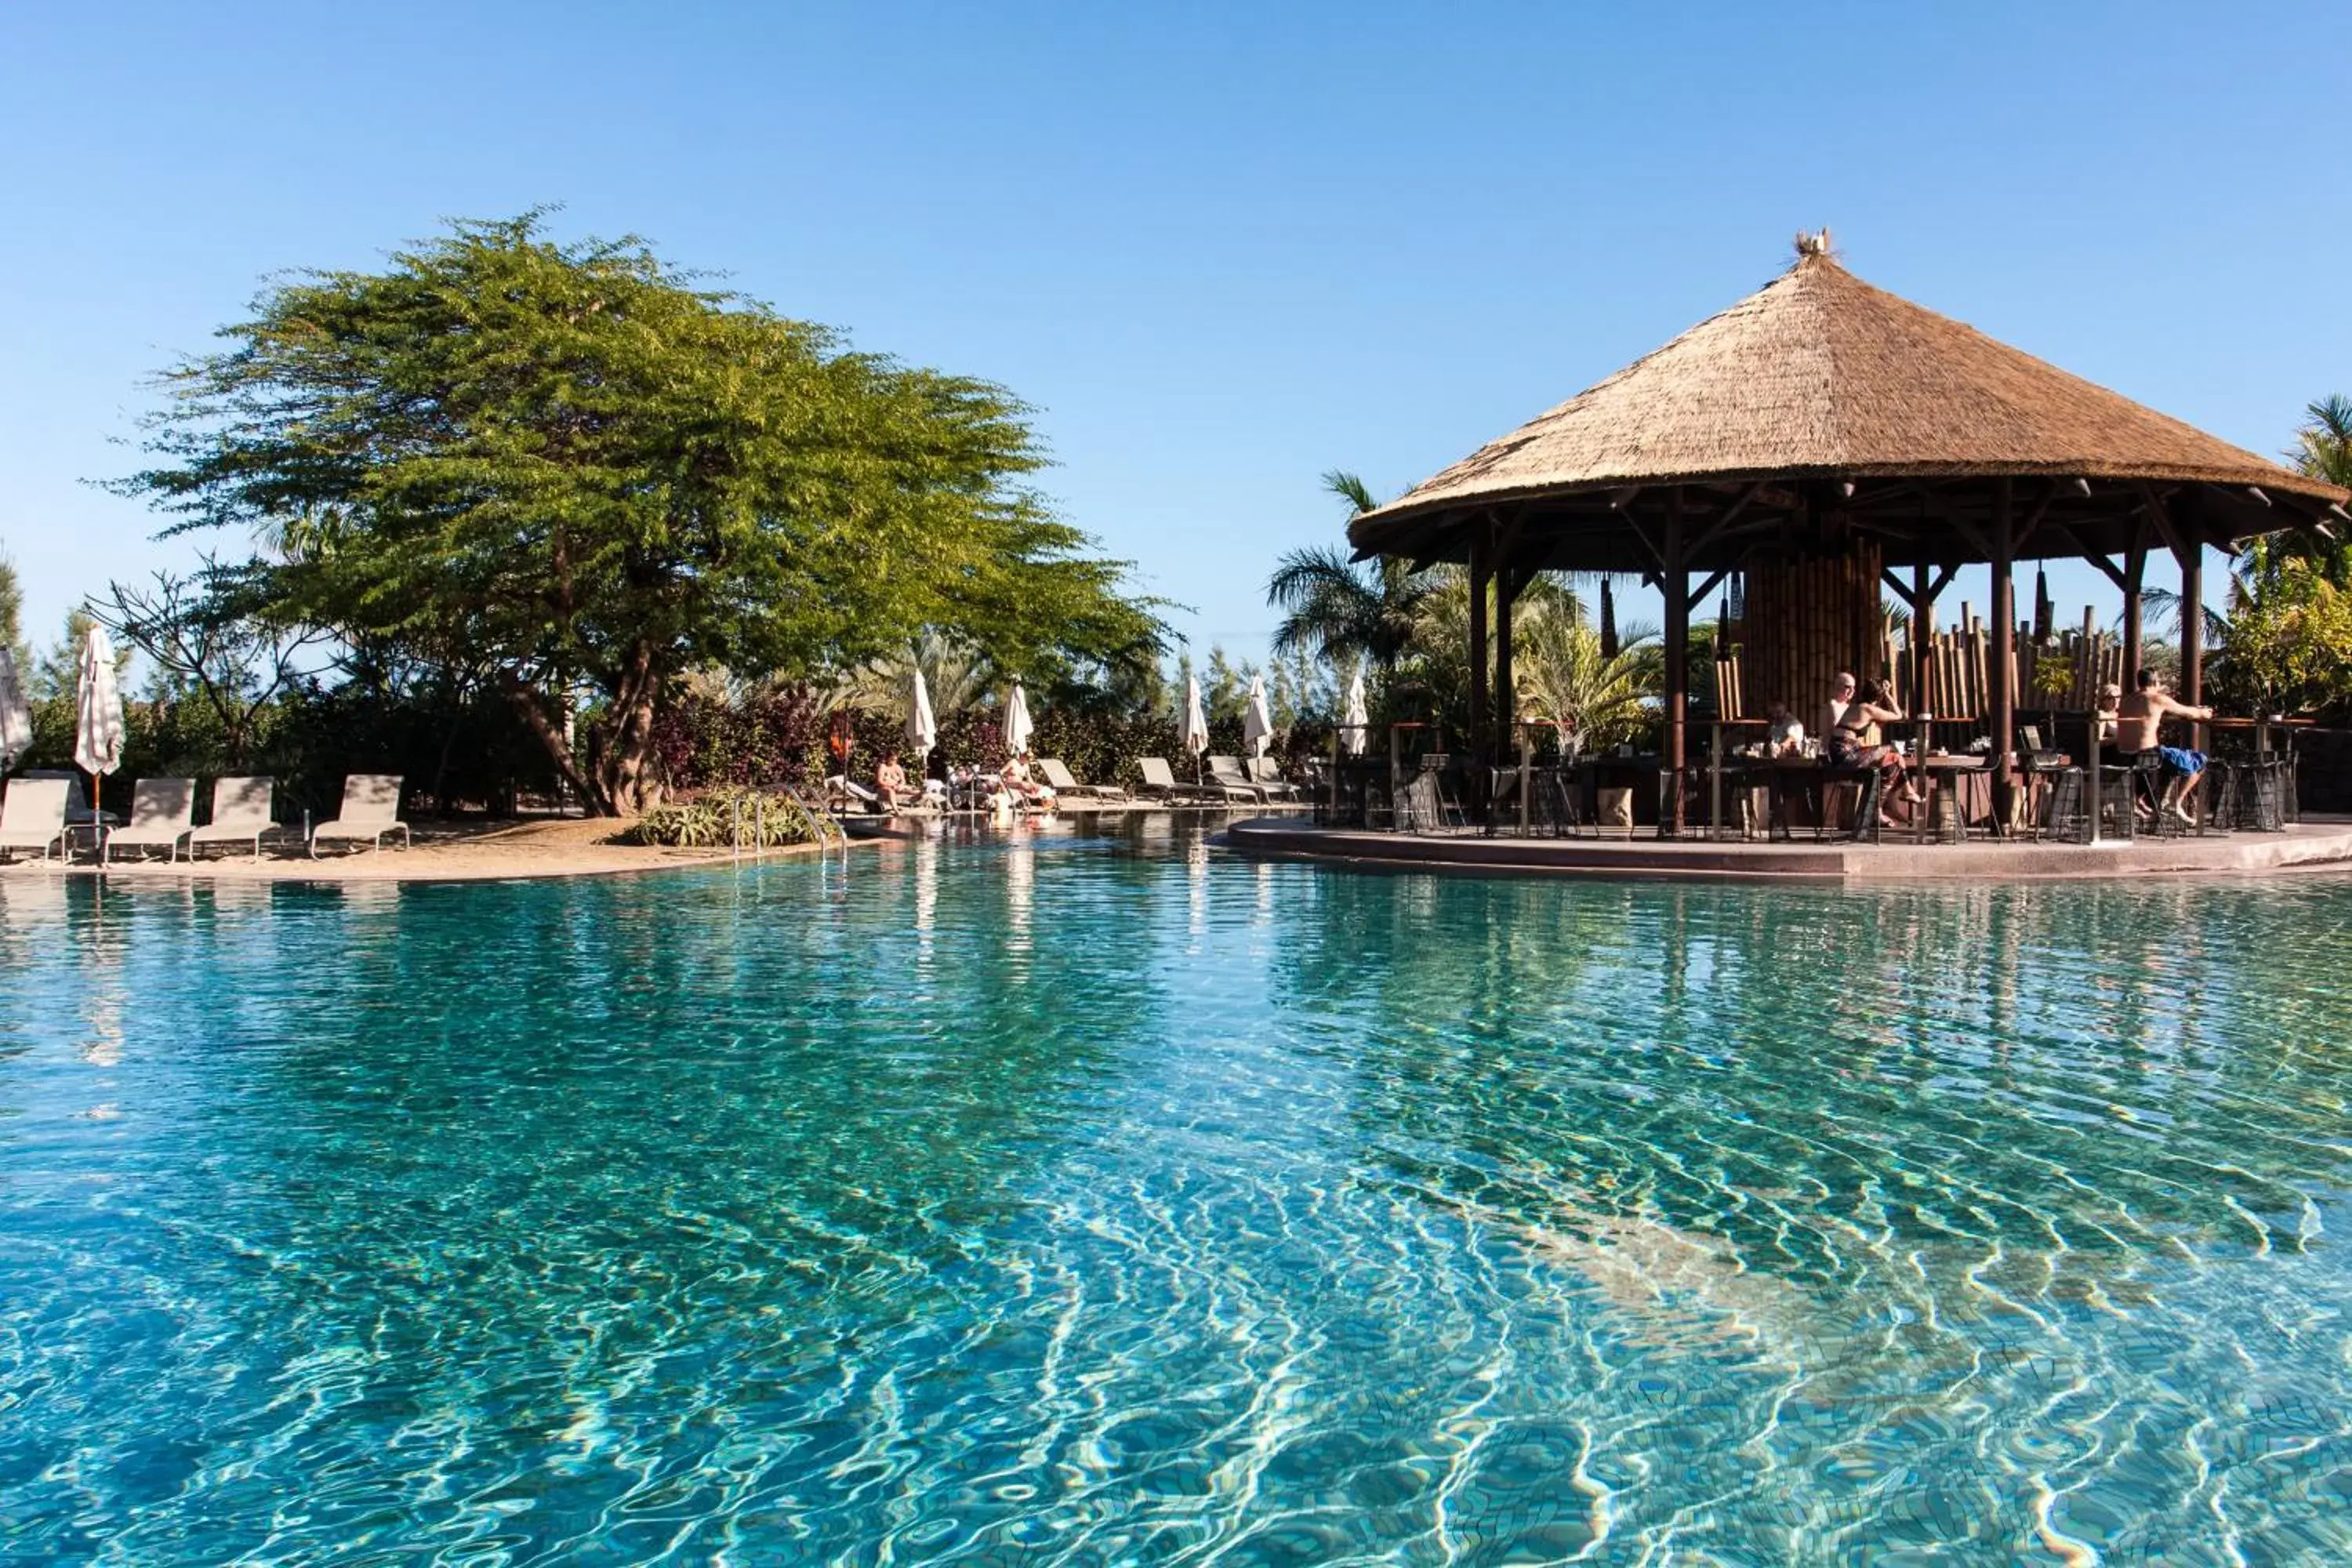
(2157, 516)
(1709, 534)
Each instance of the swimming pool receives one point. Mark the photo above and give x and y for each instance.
(1094, 1197)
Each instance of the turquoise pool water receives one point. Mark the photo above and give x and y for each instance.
(1105, 1199)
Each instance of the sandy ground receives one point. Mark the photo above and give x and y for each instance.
(444, 851)
(462, 851)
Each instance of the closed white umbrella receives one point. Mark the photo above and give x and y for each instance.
(98, 732)
(15, 714)
(1355, 732)
(1257, 724)
(922, 727)
(1194, 738)
(1017, 728)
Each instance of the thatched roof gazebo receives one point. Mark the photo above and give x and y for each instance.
(1819, 419)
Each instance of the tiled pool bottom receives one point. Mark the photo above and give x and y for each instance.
(1103, 1199)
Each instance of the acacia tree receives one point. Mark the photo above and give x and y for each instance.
(567, 465)
(210, 636)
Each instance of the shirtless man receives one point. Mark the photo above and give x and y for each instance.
(2138, 720)
(890, 779)
(1834, 711)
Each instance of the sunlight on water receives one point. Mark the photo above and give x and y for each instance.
(1091, 1199)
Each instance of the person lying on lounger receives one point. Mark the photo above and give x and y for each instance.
(1023, 788)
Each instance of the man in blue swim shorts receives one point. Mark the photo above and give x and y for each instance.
(2138, 720)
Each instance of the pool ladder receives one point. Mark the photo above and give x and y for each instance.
(829, 832)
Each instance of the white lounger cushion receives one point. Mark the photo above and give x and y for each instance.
(370, 810)
(33, 815)
(163, 813)
(241, 809)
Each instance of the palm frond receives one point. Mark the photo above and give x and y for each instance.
(1351, 489)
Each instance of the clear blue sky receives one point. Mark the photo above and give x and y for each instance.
(1221, 248)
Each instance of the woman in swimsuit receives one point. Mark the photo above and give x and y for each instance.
(1856, 742)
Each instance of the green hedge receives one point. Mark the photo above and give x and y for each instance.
(456, 756)
(476, 755)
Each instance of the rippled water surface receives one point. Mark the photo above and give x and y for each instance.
(1106, 1199)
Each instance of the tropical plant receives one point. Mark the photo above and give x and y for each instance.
(956, 674)
(721, 817)
(1560, 674)
(2289, 645)
(573, 467)
(2323, 446)
(1338, 608)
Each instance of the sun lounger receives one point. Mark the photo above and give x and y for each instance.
(1267, 777)
(163, 814)
(1060, 781)
(241, 813)
(1160, 780)
(79, 812)
(33, 815)
(1226, 772)
(371, 809)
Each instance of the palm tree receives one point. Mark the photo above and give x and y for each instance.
(1559, 673)
(1342, 609)
(954, 676)
(2324, 447)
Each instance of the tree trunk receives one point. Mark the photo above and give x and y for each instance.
(527, 703)
(625, 767)
(440, 790)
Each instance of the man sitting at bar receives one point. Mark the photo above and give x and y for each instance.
(2139, 719)
(1834, 711)
(1786, 738)
(2111, 697)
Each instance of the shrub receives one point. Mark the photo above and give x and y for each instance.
(709, 821)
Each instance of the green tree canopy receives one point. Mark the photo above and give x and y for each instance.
(567, 464)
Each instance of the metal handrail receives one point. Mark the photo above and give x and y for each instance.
(821, 819)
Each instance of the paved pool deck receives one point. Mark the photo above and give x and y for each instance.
(2312, 845)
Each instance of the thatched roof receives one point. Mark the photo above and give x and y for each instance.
(1820, 395)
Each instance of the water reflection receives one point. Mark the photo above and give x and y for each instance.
(1085, 1195)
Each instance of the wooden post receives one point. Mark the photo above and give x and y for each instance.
(1481, 569)
(1715, 779)
(1506, 705)
(2002, 675)
(1396, 778)
(1923, 633)
(1334, 818)
(2192, 633)
(2135, 569)
(1675, 580)
(1527, 778)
